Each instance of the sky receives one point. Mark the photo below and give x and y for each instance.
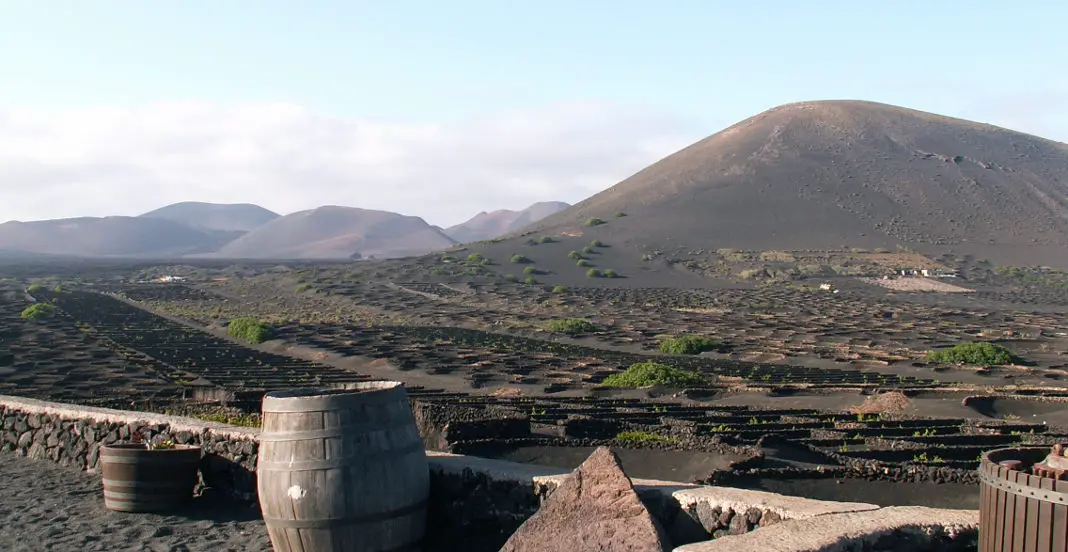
(445, 109)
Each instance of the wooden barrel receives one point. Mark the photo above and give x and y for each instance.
(137, 479)
(342, 470)
(1020, 512)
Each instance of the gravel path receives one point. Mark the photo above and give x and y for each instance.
(48, 507)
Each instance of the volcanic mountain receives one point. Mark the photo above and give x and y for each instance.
(109, 236)
(240, 217)
(333, 232)
(827, 174)
(488, 225)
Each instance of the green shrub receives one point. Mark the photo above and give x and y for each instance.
(546, 239)
(530, 280)
(303, 287)
(620, 214)
(594, 222)
(593, 273)
(37, 311)
(519, 259)
(583, 262)
(58, 289)
(559, 289)
(530, 270)
(475, 258)
(35, 288)
(244, 420)
(643, 437)
(645, 374)
(571, 326)
(610, 273)
(981, 353)
(587, 250)
(574, 255)
(689, 345)
(596, 243)
(248, 329)
(511, 277)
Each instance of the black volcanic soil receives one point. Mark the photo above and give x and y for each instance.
(883, 493)
(48, 507)
(1028, 410)
(664, 465)
(797, 362)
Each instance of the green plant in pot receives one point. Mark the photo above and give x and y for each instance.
(147, 476)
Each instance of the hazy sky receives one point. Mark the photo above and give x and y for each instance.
(442, 109)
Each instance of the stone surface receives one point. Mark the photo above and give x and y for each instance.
(785, 507)
(913, 527)
(594, 509)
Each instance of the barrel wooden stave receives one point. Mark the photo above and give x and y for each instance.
(136, 479)
(359, 461)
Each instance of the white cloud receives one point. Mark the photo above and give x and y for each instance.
(126, 161)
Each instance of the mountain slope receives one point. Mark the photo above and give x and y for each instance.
(832, 173)
(484, 226)
(332, 232)
(214, 216)
(109, 236)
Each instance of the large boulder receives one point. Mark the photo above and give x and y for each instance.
(594, 509)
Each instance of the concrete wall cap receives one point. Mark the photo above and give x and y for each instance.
(789, 507)
(842, 532)
(176, 423)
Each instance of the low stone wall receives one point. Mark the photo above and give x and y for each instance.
(475, 503)
(72, 436)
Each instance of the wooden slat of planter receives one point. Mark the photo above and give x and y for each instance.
(1009, 512)
(1019, 523)
(984, 509)
(999, 512)
(1044, 533)
(1027, 524)
(1004, 520)
(1060, 519)
(990, 529)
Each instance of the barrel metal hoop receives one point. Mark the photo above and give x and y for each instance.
(278, 523)
(148, 460)
(339, 462)
(147, 485)
(140, 498)
(340, 431)
(327, 403)
(1024, 490)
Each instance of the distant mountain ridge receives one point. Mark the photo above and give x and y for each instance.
(239, 217)
(489, 225)
(333, 232)
(110, 237)
(196, 229)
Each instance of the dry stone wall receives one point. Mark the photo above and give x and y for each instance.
(75, 439)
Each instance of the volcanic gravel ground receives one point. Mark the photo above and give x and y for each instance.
(48, 507)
